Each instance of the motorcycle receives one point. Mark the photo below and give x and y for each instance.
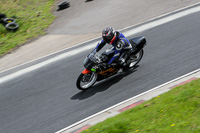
(93, 73)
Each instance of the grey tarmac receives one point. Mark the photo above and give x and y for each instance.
(84, 21)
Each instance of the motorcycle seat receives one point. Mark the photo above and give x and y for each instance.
(138, 43)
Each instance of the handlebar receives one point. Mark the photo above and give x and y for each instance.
(95, 57)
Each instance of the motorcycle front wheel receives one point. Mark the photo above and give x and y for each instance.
(85, 81)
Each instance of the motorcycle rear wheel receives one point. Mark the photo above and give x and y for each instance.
(86, 81)
(134, 60)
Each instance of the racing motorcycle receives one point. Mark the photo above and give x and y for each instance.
(92, 73)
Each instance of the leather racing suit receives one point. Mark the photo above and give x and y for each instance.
(121, 47)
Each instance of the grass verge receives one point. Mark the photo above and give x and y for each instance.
(177, 111)
(33, 17)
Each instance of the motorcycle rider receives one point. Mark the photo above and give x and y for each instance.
(121, 46)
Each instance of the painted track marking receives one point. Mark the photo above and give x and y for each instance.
(84, 48)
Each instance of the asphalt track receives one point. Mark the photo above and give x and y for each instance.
(47, 100)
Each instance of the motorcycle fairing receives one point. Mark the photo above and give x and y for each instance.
(86, 71)
(107, 73)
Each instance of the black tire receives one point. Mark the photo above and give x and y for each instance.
(140, 55)
(88, 0)
(12, 26)
(63, 5)
(2, 16)
(79, 80)
(8, 20)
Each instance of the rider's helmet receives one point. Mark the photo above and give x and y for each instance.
(109, 35)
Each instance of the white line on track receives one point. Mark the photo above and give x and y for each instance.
(137, 30)
(162, 21)
(44, 63)
(81, 49)
(141, 94)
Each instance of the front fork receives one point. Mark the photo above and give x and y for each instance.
(86, 71)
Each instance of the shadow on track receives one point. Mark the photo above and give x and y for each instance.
(102, 85)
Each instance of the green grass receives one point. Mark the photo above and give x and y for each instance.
(30, 23)
(177, 111)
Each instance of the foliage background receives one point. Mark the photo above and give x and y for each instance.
(33, 17)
